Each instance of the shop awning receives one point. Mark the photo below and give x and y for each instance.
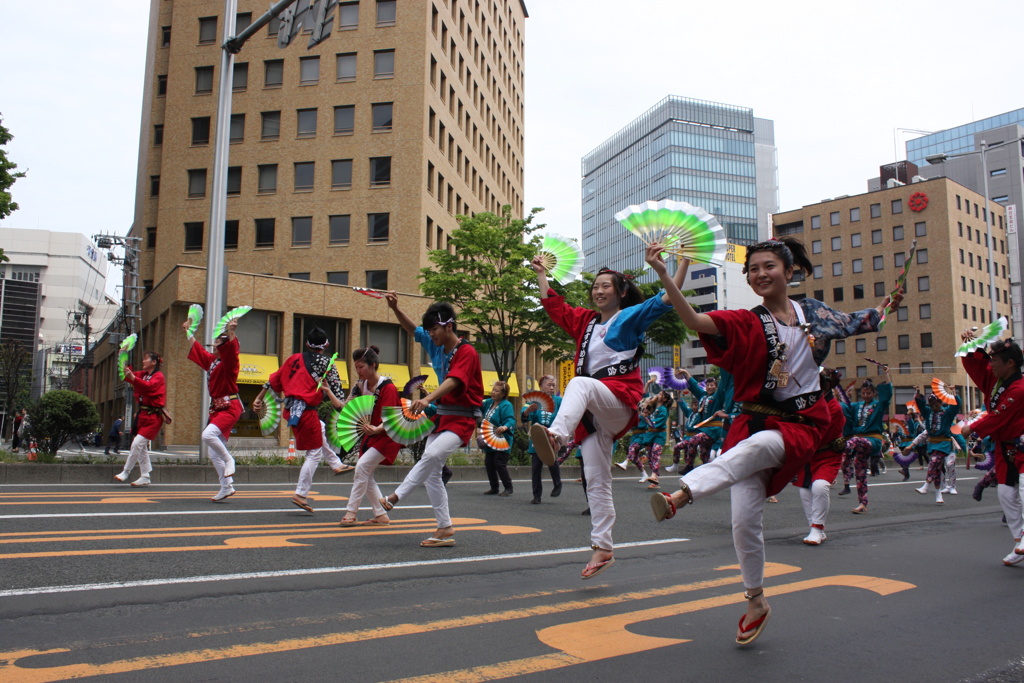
(490, 377)
(342, 372)
(399, 374)
(256, 369)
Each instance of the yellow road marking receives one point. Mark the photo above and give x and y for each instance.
(239, 537)
(144, 497)
(13, 671)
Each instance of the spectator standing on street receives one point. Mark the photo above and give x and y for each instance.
(114, 437)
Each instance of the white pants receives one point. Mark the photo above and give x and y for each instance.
(220, 458)
(1010, 500)
(610, 416)
(139, 453)
(427, 472)
(746, 467)
(816, 501)
(313, 458)
(950, 475)
(364, 485)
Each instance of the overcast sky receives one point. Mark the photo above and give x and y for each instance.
(836, 78)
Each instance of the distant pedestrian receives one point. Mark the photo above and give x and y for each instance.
(19, 428)
(114, 437)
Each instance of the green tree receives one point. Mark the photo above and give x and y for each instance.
(8, 176)
(15, 363)
(486, 277)
(59, 416)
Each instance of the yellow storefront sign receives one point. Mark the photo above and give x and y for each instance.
(489, 378)
(256, 369)
(566, 371)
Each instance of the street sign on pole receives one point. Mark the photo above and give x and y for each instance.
(313, 15)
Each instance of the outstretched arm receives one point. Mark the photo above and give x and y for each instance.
(698, 322)
(542, 277)
(405, 321)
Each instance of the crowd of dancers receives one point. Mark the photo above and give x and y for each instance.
(774, 415)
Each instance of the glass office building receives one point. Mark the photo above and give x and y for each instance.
(716, 156)
(959, 139)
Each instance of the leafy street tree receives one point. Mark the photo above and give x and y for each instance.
(15, 363)
(486, 277)
(8, 176)
(59, 416)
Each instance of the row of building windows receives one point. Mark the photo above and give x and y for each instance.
(856, 240)
(979, 237)
(306, 124)
(303, 177)
(436, 130)
(882, 343)
(877, 263)
(927, 367)
(339, 232)
(964, 205)
(375, 279)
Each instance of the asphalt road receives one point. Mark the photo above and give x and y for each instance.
(160, 584)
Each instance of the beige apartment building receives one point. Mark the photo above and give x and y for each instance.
(858, 245)
(348, 163)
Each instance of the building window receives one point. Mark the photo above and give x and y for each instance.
(378, 227)
(151, 237)
(207, 30)
(274, 27)
(817, 272)
(194, 236)
(346, 67)
(265, 232)
(267, 182)
(204, 80)
(348, 16)
(158, 135)
(922, 256)
(234, 181)
(837, 268)
(833, 218)
(878, 262)
(299, 276)
(231, 234)
(862, 371)
(879, 289)
(201, 130)
(339, 231)
(819, 294)
(961, 256)
(858, 291)
(920, 229)
(383, 63)
(876, 210)
(154, 186)
(344, 119)
(928, 367)
(196, 183)
(816, 247)
(901, 314)
(341, 174)
(837, 294)
(855, 214)
(377, 279)
(924, 283)
(381, 115)
(926, 340)
(165, 36)
(237, 128)
(897, 206)
(161, 85)
(837, 243)
(903, 341)
(882, 343)
(309, 70)
(840, 346)
(855, 239)
(337, 277)
(273, 73)
(386, 12)
(997, 172)
(876, 237)
(815, 222)
(858, 266)
(861, 345)
(270, 128)
(240, 77)
(380, 171)
(304, 172)
(306, 123)
(897, 232)
(904, 368)
(243, 20)
(899, 258)
(965, 311)
(924, 311)
(302, 231)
